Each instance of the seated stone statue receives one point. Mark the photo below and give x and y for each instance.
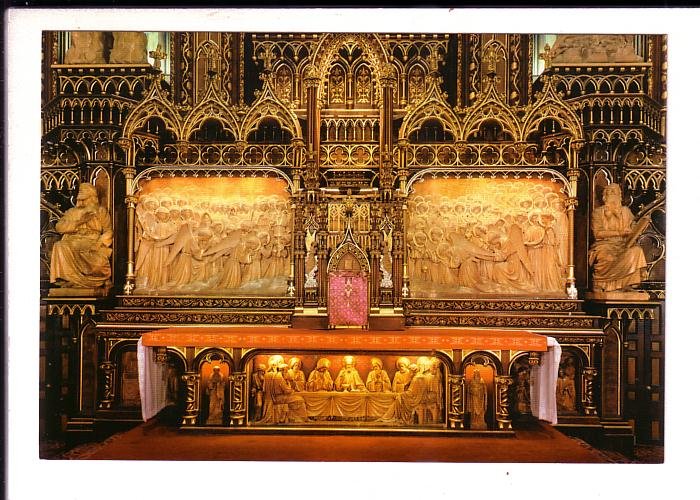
(348, 378)
(618, 262)
(402, 377)
(86, 47)
(129, 48)
(82, 258)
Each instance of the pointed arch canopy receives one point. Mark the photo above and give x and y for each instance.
(267, 105)
(549, 105)
(433, 106)
(155, 104)
(330, 44)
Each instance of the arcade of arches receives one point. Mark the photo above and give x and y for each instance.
(352, 229)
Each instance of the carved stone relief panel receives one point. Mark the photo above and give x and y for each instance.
(470, 237)
(213, 235)
(367, 389)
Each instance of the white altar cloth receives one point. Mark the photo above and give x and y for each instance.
(152, 382)
(543, 383)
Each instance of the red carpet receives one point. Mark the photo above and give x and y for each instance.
(538, 443)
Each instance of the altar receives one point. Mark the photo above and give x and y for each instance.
(287, 377)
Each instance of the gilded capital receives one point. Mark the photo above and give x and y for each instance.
(571, 203)
(312, 77)
(387, 75)
(124, 143)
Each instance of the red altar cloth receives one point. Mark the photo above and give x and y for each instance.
(415, 339)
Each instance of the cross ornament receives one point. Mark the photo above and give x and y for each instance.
(157, 55)
(546, 56)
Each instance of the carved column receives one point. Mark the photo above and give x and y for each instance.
(375, 253)
(191, 414)
(299, 251)
(108, 373)
(298, 162)
(238, 405)
(397, 252)
(402, 164)
(571, 202)
(455, 414)
(503, 383)
(322, 253)
(589, 375)
(387, 81)
(129, 172)
(313, 128)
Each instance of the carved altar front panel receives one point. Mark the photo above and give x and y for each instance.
(369, 390)
(209, 235)
(478, 236)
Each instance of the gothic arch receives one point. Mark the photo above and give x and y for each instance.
(490, 107)
(348, 247)
(269, 106)
(433, 106)
(549, 105)
(329, 45)
(490, 359)
(155, 104)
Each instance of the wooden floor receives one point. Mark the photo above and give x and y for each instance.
(535, 442)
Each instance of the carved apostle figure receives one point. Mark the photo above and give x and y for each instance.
(618, 262)
(378, 378)
(477, 399)
(403, 375)
(320, 379)
(281, 404)
(297, 378)
(215, 390)
(82, 258)
(86, 47)
(566, 391)
(129, 48)
(348, 378)
(409, 406)
(257, 381)
(522, 391)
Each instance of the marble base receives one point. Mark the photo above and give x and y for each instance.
(618, 295)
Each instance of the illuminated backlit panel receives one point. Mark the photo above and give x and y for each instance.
(481, 236)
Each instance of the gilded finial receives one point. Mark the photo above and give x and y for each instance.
(546, 56)
(157, 55)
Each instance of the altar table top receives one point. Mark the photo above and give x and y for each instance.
(295, 338)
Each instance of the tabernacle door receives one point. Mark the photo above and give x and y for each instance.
(347, 299)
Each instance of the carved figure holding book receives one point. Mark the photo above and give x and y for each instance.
(618, 262)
